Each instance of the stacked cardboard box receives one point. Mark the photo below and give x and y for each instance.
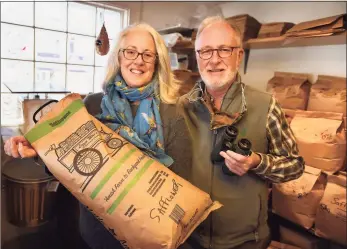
(248, 25)
(320, 27)
(274, 29)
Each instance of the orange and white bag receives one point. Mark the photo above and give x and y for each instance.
(140, 201)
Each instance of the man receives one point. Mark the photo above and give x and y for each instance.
(215, 103)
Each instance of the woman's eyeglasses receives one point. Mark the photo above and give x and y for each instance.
(132, 54)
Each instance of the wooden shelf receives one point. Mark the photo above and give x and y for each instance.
(188, 49)
(283, 42)
(278, 42)
(274, 42)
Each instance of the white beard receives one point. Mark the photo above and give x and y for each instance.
(214, 85)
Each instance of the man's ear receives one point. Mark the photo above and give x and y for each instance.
(239, 58)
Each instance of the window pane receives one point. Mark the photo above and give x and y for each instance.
(81, 19)
(112, 21)
(11, 109)
(51, 15)
(81, 49)
(99, 77)
(17, 42)
(102, 60)
(20, 13)
(17, 75)
(50, 46)
(49, 77)
(80, 79)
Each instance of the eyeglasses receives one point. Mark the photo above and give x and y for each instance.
(132, 54)
(207, 54)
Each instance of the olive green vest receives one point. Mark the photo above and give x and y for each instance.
(244, 214)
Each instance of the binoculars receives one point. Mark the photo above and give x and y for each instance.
(243, 147)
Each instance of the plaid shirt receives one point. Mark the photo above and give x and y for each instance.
(282, 163)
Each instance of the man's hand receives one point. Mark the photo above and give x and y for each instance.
(19, 147)
(240, 164)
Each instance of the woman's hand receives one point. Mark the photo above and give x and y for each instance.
(19, 147)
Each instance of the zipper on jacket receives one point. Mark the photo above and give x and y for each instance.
(215, 133)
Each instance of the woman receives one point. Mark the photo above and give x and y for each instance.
(138, 103)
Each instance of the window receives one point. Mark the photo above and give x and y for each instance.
(50, 46)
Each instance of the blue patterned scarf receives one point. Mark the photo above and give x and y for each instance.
(145, 130)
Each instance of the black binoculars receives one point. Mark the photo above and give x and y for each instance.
(242, 147)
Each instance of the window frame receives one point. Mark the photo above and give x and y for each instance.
(124, 13)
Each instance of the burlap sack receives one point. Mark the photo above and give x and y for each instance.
(331, 214)
(290, 89)
(328, 94)
(298, 200)
(321, 139)
(140, 201)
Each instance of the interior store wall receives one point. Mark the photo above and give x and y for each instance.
(328, 60)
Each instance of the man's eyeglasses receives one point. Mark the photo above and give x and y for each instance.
(132, 54)
(207, 54)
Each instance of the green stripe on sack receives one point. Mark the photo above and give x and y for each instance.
(129, 186)
(48, 126)
(110, 173)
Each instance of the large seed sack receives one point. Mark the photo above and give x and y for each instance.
(290, 89)
(331, 216)
(297, 200)
(321, 139)
(140, 201)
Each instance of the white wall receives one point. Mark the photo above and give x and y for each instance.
(167, 14)
(329, 60)
(132, 6)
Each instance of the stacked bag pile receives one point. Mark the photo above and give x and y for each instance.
(317, 115)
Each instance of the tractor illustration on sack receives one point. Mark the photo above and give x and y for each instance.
(84, 150)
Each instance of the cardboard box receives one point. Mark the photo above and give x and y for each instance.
(274, 29)
(320, 27)
(248, 25)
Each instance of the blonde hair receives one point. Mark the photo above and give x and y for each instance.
(168, 84)
(214, 19)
